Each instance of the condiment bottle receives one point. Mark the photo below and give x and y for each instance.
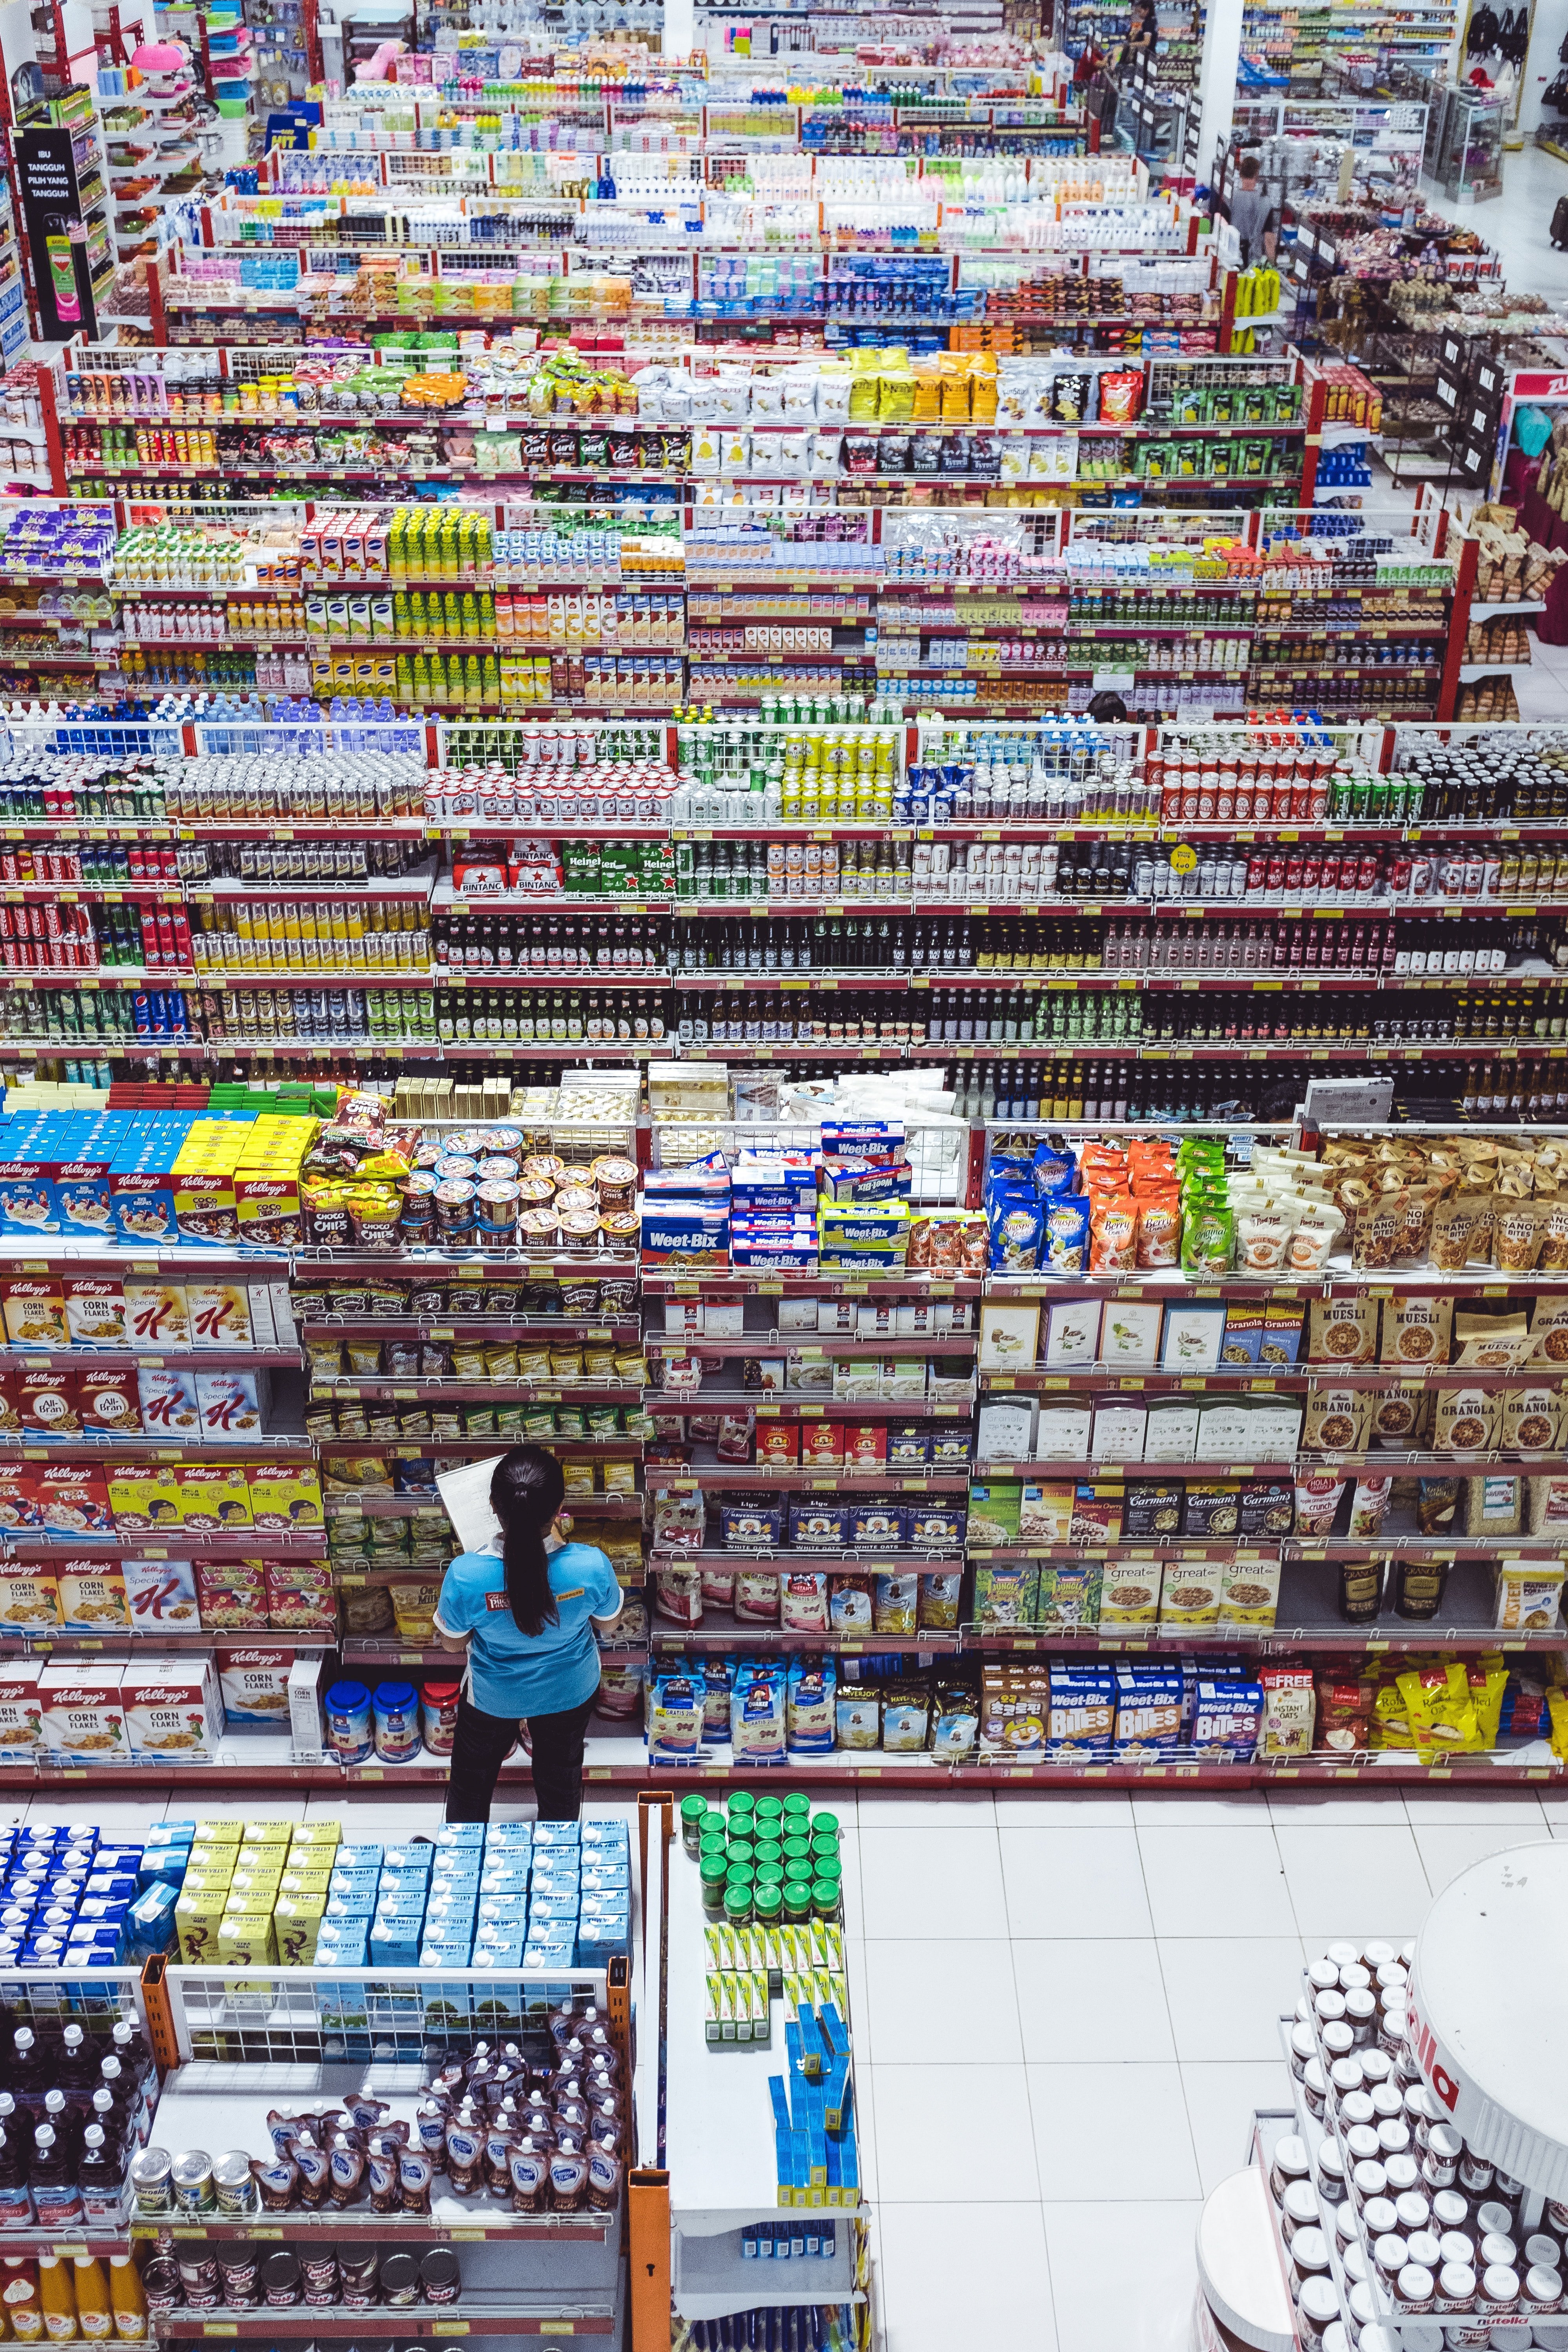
(56, 2300)
(95, 2318)
(126, 2299)
(19, 2294)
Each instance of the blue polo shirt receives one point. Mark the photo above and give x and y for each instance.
(514, 1674)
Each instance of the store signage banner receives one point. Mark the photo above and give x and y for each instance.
(45, 173)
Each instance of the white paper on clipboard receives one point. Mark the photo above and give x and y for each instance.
(466, 1495)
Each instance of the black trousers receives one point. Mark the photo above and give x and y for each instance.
(480, 1747)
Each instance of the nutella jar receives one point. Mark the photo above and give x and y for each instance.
(1393, 2137)
(1450, 2210)
(1338, 2039)
(1389, 2255)
(1347, 2228)
(1425, 2248)
(1297, 2210)
(1493, 2217)
(1361, 2016)
(1475, 2174)
(1378, 2217)
(1353, 1978)
(1376, 2066)
(1541, 2292)
(1456, 2288)
(1330, 2006)
(1344, 2081)
(1419, 2110)
(1499, 2252)
(1498, 2293)
(1316, 2313)
(1413, 2291)
(1404, 2176)
(1377, 1956)
(1388, 2102)
(1315, 2087)
(1344, 1955)
(1440, 2159)
(1357, 2113)
(1541, 2251)
(1329, 2173)
(1324, 1976)
(1368, 2182)
(1362, 2309)
(1303, 2049)
(1309, 2259)
(1414, 2211)
(1392, 2039)
(1457, 2247)
(1291, 2163)
(1362, 2143)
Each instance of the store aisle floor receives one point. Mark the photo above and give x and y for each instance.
(1068, 2006)
(1515, 224)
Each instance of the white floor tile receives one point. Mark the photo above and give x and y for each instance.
(1171, 1811)
(1217, 1881)
(982, 2117)
(952, 1809)
(1122, 2275)
(1087, 1999)
(1446, 1852)
(1336, 1809)
(1353, 1882)
(968, 2275)
(1109, 1809)
(1520, 1809)
(943, 1880)
(1074, 1882)
(912, 1986)
(1220, 2103)
(1225, 1996)
(1116, 2131)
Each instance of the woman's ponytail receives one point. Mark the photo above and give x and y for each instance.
(526, 1492)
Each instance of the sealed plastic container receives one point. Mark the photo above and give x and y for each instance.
(395, 1708)
(349, 1723)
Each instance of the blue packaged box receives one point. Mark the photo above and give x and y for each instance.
(149, 1922)
(600, 1877)
(504, 1882)
(419, 1859)
(346, 1952)
(604, 1829)
(453, 1954)
(1082, 1717)
(556, 1833)
(605, 1903)
(1149, 1702)
(459, 1833)
(599, 1941)
(394, 1944)
(356, 1857)
(553, 1906)
(1227, 1721)
(354, 1882)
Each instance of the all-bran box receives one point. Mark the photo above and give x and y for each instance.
(108, 1401)
(47, 1403)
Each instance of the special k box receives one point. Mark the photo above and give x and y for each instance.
(219, 1313)
(157, 1315)
(83, 1712)
(35, 1310)
(142, 1496)
(173, 1708)
(95, 1309)
(213, 1497)
(73, 1499)
(21, 1720)
(92, 1597)
(284, 1498)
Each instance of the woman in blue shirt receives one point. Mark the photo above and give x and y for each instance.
(525, 1617)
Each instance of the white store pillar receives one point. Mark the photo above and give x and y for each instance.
(1216, 78)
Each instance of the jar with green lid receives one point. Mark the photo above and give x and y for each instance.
(743, 1804)
(769, 1809)
(693, 1813)
(768, 1904)
(713, 1841)
(798, 1806)
(713, 1870)
(768, 1850)
(797, 1849)
(738, 1905)
(828, 1867)
(739, 1874)
(826, 1898)
(797, 1901)
(826, 1825)
(770, 1873)
(799, 1865)
(740, 1849)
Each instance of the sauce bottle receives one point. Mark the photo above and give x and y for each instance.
(126, 2299)
(95, 2318)
(19, 2294)
(56, 2298)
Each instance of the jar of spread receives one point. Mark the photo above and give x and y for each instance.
(1315, 2087)
(1316, 2312)
(1404, 2176)
(1376, 2066)
(1539, 2248)
(1291, 2163)
(1297, 2210)
(1456, 2288)
(1393, 2137)
(1344, 2080)
(1498, 2249)
(1362, 2143)
(1347, 2228)
(1475, 2173)
(1353, 2260)
(1309, 2259)
(1357, 2112)
(1413, 2290)
(1440, 2156)
(1387, 2102)
(1360, 2015)
(1451, 2210)
(1368, 2180)
(1329, 2173)
(1377, 1956)
(1393, 2041)
(1413, 2211)
(1541, 2292)
(1323, 1976)
(1378, 2217)
(1389, 2254)
(1494, 2218)
(1498, 2295)
(1330, 2006)
(1338, 2039)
